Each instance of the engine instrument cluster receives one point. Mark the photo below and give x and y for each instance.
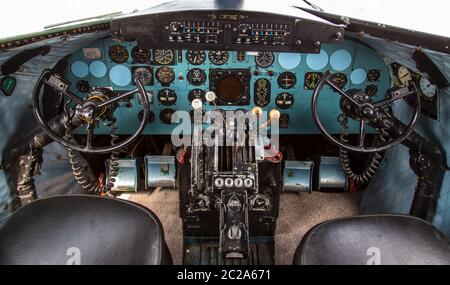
(174, 78)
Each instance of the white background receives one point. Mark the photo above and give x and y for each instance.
(25, 16)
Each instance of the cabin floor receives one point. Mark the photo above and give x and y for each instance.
(298, 214)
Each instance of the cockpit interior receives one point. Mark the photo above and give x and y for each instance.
(225, 133)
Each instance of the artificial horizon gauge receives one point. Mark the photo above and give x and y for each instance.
(284, 100)
(264, 59)
(218, 57)
(428, 89)
(339, 80)
(140, 55)
(312, 80)
(118, 54)
(165, 75)
(167, 97)
(144, 74)
(403, 74)
(287, 80)
(195, 57)
(163, 56)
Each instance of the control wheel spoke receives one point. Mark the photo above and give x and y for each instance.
(362, 133)
(89, 135)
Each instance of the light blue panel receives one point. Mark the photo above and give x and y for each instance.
(120, 75)
(98, 69)
(358, 76)
(392, 190)
(300, 115)
(289, 60)
(340, 60)
(5, 197)
(318, 61)
(80, 69)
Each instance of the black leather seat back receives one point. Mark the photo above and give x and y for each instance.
(83, 229)
(379, 239)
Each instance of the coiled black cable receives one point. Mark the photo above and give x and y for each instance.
(371, 167)
(82, 178)
(113, 169)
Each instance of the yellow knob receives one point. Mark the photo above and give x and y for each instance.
(257, 111)
(274, 114)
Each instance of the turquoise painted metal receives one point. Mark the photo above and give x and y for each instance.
(351, 58)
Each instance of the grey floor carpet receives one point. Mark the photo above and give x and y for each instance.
(298, 213)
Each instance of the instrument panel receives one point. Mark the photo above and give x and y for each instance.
(241, 80)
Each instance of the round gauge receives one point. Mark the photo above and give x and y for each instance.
(312, 79)
(287, 80)
(165, 75)
(284, 100)
(218, 57)
(167, 97)
(264, 59)
(140, 55)
(426, 87)
(262, 92)
(118, 54)
(195, 57)
(197, 94)
(196, 76)
(151, 116)
(339, 80)
(166, 116)
(144, 74)
(404, 76)
(83, 86)
(371, 90)
(163, 56)
(373, 75)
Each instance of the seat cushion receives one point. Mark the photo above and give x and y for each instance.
(378, 239)
(83, 230)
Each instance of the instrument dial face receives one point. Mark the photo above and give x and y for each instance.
(144, 74)
(284, 100)
(371, 90)
(339, 80)
(166, 116)
(312, 79)
(427, 88)
(264, 59)
(163, 56)
(404, 76)
(83, 86)
(218, 57)
(167, 97)
(196, 76)
(287, 80)
(118, 54)
(165, 75)
(140, 55)
(262, 92)
(196, 57)
(373, 75)
(197, 94)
